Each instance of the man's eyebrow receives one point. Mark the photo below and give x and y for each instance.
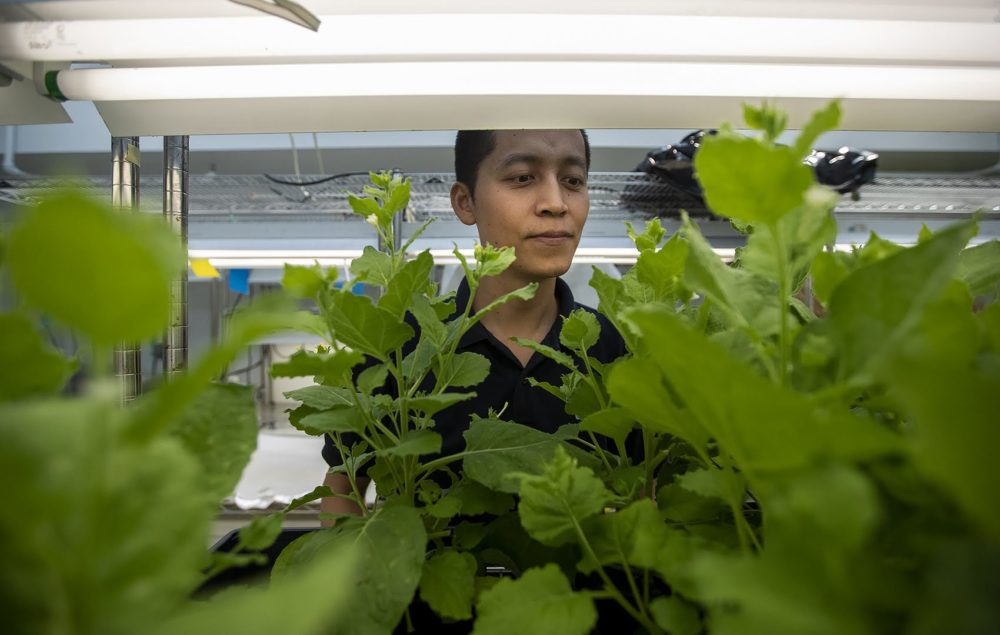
(515, 158)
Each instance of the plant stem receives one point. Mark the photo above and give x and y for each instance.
(641, 606)
(645, 587)
(647, 455)
(351, 477)
(600, 451)
(409, 621)
(616, 595)
(784, 345)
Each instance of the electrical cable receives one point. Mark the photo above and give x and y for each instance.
(324, 179)
(244, 369)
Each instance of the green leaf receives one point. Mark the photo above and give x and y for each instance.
(750, 181)
(610, 293)
(29, 366)
(390, 547)
(777, 593)
(636, 535)
(723, 484)
(432, 329)
(416, 443)
(464, 370)
(836, 506)
(650, 237)
(102, 272)
(979, 267)
(959, 594)
(828, 270)
(157, 410)
(447, 584)
(680, 504)
(946, 330)
(220, 430)
(637, 384)
(78, 539)
(261, 532)
(767, 118)
(322, 397)
(557, 356)
(445, 508)
(494, 449)
(524, 293)
(873, 308)
(399, 195)
(675, 616)
(803, 234)
(469, 535)
(877, 249)
(372, 378)
(580, 330)
(303, 282)
(955, 436)
(554, 503)
(364, 207)
(492, 261)
(476, 499)
(362, 326)
(615, 423)
(660, 272)
(331, 421)
(540, 602)
(763, 426)
(332, 367)
(583, 399)
(821, 121)
(319, 593)
(989, 322)
(430, 405)
(747, 300)
(413, 278)
(372, 267)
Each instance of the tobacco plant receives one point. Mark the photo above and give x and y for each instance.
(107, 511)
(798, 442)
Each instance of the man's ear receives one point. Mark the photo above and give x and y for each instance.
(462, 203)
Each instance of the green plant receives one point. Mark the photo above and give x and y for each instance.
(802, 471)
(107, 511)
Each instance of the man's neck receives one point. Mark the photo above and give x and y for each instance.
(530, 319)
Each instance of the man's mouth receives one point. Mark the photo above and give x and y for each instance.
(552, 238)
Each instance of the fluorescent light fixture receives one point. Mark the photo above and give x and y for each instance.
(273, 259)
(514, 78)
(631, 34)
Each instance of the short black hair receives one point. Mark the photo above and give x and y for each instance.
(472, 146)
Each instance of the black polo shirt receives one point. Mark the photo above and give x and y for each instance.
(507, 382)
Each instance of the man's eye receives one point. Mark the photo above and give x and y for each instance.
(522, 178)
(574, 182)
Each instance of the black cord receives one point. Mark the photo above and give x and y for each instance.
(342, 175)
(240, 371)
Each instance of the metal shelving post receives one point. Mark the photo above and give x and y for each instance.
(175, 211)
(125, 195)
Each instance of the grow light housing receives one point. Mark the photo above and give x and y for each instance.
(401, 67)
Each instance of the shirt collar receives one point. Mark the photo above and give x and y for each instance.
(564, 301)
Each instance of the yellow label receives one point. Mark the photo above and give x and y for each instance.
(203, 268)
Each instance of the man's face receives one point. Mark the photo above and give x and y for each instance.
(531, 194)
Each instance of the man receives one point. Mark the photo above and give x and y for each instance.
(525, 189)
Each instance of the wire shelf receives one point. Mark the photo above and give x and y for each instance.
(613, 196)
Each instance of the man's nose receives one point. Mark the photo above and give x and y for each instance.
(551, 198)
